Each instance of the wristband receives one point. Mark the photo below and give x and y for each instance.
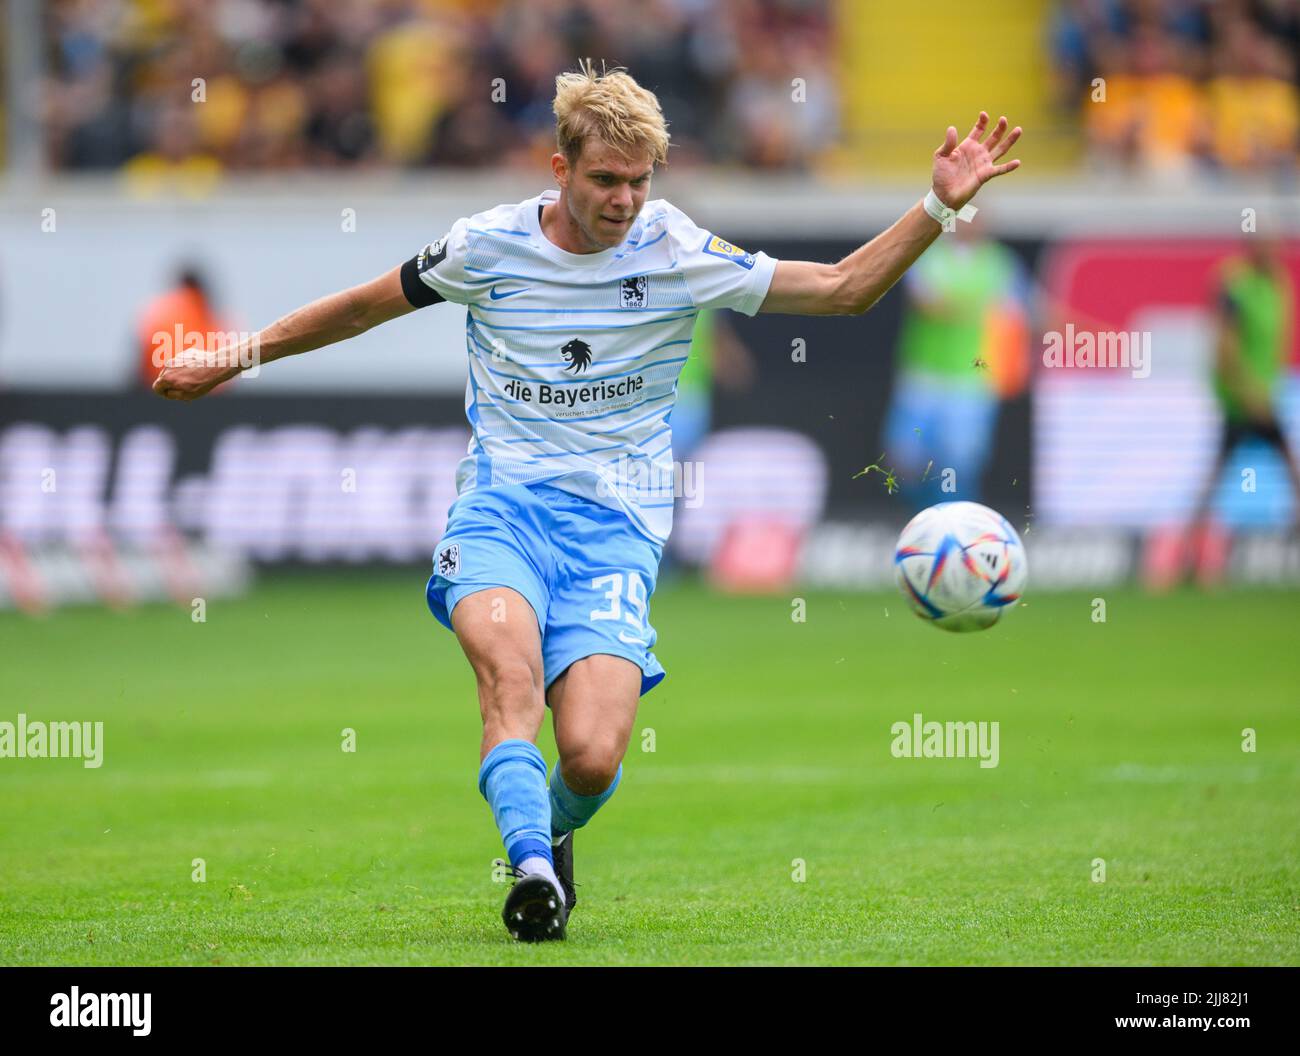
(946, 216)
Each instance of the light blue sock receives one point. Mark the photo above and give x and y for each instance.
(571, 811)
(513, 781)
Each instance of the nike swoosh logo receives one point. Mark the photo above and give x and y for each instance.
(502, 296)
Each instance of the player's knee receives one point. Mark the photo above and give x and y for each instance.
(590, 771)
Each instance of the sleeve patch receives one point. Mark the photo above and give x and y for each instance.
(431, 255)
(720, 247)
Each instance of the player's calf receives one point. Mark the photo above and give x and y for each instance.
(570, 810)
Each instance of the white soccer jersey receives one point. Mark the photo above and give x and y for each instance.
(574, 358)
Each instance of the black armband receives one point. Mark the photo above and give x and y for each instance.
(418, 293)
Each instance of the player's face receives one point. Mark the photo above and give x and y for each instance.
(605, 191)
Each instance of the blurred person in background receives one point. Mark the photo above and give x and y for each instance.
(1253, 329)
(339, 130)
(472, 131)
(771, 133)
(964, 312)
(1253, 108)
(175, 159)
(1151, 118)
(1073, 30)
(185, 309)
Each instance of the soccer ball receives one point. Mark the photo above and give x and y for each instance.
(960, 565)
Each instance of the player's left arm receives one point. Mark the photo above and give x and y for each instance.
(802, 287)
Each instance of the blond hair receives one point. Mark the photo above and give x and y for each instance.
(609, 106)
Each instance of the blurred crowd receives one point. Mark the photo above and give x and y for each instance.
(199, 87)
(1183, 87)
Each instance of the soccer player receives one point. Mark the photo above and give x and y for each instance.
(1253, 340)
(945, 401)
(580, 303)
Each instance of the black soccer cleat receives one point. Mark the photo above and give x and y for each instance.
(533, 910)
(563, 854)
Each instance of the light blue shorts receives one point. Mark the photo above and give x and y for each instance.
(585, 570)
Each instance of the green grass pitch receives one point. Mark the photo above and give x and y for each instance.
(1119, 741)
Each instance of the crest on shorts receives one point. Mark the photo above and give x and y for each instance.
(448, 560)
(634, 291)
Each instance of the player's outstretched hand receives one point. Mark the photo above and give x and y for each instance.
(191, 375)
(960, 169)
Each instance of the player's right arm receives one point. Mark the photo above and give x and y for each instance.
(323, 322)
